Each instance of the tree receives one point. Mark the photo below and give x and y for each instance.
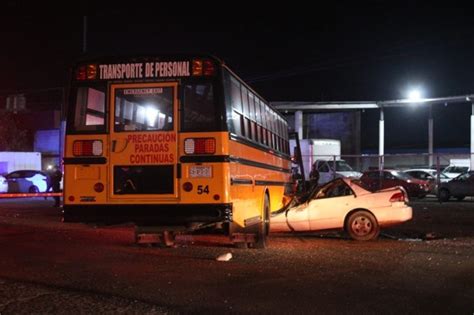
(13, 137)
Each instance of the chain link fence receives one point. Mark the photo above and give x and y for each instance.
(390, 169)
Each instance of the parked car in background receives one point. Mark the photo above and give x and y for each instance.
(429, 175)
(343, 204)
(458, 187)
(3, 184)
(330, 169)
(27, 181)
(375, 180)
(457, 167)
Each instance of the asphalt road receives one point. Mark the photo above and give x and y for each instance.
(423, 266)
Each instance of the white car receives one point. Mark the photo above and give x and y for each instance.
(343, 204)
(329, 170)
(3, 184)
(27, 181)
(454, 171)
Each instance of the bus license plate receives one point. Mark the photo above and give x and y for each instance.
(200, 171)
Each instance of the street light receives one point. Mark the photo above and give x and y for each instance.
(415, 95)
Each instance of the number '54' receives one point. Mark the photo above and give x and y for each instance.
(203, 189)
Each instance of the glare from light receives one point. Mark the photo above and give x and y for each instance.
(151, 114)
(414, 95)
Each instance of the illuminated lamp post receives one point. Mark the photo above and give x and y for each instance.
(415, 95)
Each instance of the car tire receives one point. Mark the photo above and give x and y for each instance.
(33, 190)
(460, 198)
(264, 226)
(362, 226)
(443, 195)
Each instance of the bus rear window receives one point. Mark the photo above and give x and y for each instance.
(199, 110)
(140, 109)
(89, 109)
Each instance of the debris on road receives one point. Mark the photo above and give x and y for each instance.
(224, 257)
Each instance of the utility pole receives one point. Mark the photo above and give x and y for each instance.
(84, 35)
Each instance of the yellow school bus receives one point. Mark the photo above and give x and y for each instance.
(173, 141)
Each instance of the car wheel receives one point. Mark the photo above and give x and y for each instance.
(362, 226)
(264, 226)
(443, 195)
(459, 198)
(33, 190)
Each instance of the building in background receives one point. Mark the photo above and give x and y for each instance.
(31, 121)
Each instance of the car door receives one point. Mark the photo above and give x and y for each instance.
(462, 185)
(389, 180)
(325, 174)
(470, 181)
(371, 180)
(15, 182)
(330, 205)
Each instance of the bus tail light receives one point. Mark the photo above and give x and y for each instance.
(208, 68)
(203, 67)
(197, 67)
(91, 72)
(99, 187)
(81, 73)
(200, 146)
(87, 148)
(86, 72)
(187, 186)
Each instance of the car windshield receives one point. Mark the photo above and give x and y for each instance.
(342, 166)
(402, 175)
(464, 176)
(441, 175)
(456, 169)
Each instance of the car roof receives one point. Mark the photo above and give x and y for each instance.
(20, 171)
(384, 170)
(427, 170)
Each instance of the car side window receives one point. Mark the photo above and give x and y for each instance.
(334, 189)
(387, 175)
(374, 175)
(323, 167)
(14, 175)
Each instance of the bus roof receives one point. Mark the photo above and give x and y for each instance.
(127, 57)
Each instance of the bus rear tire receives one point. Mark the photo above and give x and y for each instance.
(264, 226)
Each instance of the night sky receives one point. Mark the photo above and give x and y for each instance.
(366, 51)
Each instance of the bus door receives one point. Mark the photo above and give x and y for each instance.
(143, 142)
